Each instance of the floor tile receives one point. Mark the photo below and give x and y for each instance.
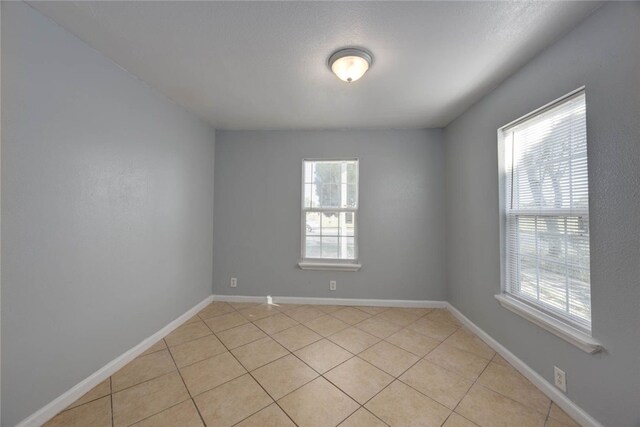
(183, 414)
(142, 369)
(456, 420)
(259, 353)
(192, 319)
(284, 308)
(188, 332)
(415, 311)
(323, 355)
(297, 337)
(259, 312)
(500, 360)
(391, 359)
(243, 305)
(373, 310)
(362, 418)
(304, 314)
(281, 377)
(210, 373)
(442, 385)
(435, 330)
(442, 315)
(216, 308)
(160, 345)
(226, 321)
(276, 323)
(557, 414)
(318, 404)
(465, 340)
(326, 325)
(101, 390)
(358, 379)
(398, 317)
(232, 402)
(271, 416)
(462, 362)
(328, 309)
(378, 327)
(197, 350)
(350, 315)
(400, 405)
(509, 382)
(354, 340)
(240, 335)
(487, 408)
(413, 342)
(95, 414)
(149, 398)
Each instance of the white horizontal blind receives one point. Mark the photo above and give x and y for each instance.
(329, 210)
(547, 211)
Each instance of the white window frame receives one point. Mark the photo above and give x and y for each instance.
(330, 263)
(531, 311)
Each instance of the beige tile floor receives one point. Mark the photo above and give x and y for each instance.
(286, 365)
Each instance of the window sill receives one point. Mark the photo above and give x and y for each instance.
(335, 266)
(581, 340)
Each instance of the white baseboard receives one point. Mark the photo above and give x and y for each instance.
(545, 386)
(50, 410)
(334, 301)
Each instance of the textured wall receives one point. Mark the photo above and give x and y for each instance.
(603, 54)
(107, 211)
(257, 214)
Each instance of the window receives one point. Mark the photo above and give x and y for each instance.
(330, 212)
(546, 211)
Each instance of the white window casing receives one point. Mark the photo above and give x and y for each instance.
(329, 226)
(545, 217)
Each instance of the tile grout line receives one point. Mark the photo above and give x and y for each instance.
(254, 379)
(111, 399)
(319, 375)
(168, 349)
(185, 385)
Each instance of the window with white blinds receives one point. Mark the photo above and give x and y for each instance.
(546, 212)
(330, 210)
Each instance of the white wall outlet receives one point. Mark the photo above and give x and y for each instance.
(234, 282)
(332, 285)
(560, 378)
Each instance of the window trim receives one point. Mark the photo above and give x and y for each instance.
(537, 314)
(549, 323)
(330, 263)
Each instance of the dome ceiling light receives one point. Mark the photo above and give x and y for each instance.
(350, 64)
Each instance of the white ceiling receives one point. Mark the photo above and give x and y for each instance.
(262, 65)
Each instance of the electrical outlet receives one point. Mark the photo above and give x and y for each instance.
(332, 285)
(560, 378)
(234, 282)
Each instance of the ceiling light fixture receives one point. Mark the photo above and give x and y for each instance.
(350, 64)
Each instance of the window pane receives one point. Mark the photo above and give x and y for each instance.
(552, 259)
(350, 251)
(330, 247)
(334, 183)
(330, 223)
(313, 247)
(312, 224)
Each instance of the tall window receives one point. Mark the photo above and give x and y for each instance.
(330, 210)
(546, 212)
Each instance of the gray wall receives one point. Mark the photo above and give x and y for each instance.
(107, 207)
(257, 213)
(603, 53)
